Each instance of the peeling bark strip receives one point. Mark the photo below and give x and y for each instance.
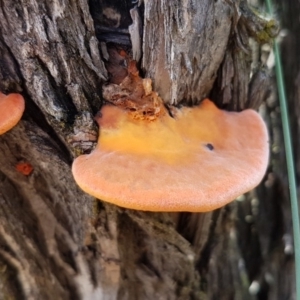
(135, 31)
(58, 243)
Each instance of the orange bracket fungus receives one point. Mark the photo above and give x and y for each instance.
(11, 110)
(197, 161)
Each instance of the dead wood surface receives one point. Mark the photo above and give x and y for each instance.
(56, 242)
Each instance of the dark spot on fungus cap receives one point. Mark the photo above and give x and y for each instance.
(11, 110)
(209, 146)
(161, 165)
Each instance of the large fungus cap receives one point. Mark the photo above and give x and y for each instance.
(11, 110)
(198, 161)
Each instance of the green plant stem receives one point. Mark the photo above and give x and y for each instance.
(289, 158)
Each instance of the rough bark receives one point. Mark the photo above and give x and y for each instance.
(57, 242)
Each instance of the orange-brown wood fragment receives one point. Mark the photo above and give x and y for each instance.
(116, 65)
(25, 168)
(135, 95)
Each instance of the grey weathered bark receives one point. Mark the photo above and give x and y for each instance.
(57, 242)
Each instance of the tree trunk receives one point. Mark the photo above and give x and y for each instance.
(56, 242)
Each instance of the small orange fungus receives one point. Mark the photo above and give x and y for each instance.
(198, 161)
(11, 110)
(24, 168)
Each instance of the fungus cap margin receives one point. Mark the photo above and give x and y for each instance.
(11, 110)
